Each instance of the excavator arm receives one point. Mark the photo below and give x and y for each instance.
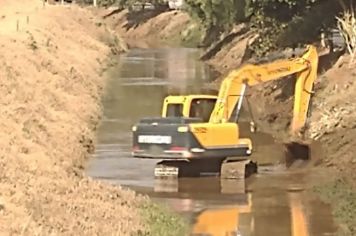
(234, 85)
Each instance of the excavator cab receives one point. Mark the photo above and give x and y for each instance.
(183, 132)
(190, 106)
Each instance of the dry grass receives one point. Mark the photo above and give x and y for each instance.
(347, 27)
(329, 120)
(50, 93)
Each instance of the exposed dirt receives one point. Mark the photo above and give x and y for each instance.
(50, 91)
(333, 121)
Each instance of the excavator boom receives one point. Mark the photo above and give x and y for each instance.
(250, 75)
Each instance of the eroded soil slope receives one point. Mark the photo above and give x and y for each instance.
(50, 88)
(333, 121)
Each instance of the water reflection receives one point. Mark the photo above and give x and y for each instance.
(239, 220)
(252, 207)
(220, 221)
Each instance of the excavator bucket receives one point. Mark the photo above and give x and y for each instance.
(302, 153)
(297, 152)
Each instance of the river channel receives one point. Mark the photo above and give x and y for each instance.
(269, 203)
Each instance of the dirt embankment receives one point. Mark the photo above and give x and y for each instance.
(50, 89)
(333, 120)
(153, 28)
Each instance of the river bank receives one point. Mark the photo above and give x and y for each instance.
(53, 77)
(331, 122)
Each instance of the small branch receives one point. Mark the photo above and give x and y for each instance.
(347, 27)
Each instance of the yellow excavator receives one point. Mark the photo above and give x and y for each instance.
(222, 221)
(204, 128)
(229, 220)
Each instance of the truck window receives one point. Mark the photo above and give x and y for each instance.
(202, 108)
(174, 110)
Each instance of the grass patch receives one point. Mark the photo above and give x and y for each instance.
(161, 221)
(191, 37)
(342, 198)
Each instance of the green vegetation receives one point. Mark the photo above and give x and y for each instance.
(217, 16)
(278, 23)
(191, 36)
(342, 196)
(162, 221)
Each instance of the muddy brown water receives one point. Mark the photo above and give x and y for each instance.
(273, 202)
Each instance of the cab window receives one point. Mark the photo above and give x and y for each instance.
(202, 108)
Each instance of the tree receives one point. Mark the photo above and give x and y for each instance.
(217, 16)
